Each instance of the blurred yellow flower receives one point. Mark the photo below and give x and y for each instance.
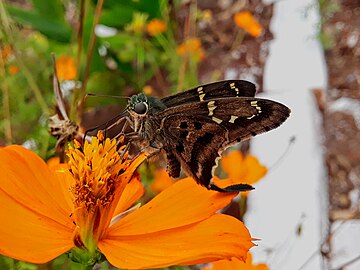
(66, 68)
(236, 264)
(248, 22)
(162, 180)
(191, 47)
(138, 23)
(207, 15)
(156, 27)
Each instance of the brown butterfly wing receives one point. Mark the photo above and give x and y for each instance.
(197, 133)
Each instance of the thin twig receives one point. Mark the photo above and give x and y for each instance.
(80, 34)
(347, 263)
(318, 250)
(89, 55)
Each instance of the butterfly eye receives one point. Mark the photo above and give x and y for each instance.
(140, 108)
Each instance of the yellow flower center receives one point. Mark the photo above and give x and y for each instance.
(100, 177)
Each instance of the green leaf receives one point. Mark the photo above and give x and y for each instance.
(119, 13)
(118, 16)
(119, 40)
(53, 9)
(152, 8)
(51, 28)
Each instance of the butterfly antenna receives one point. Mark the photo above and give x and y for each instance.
(101, 95)
(105, 125)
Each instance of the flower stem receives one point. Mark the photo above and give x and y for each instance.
(89, 55)
(6, 104)
(243, 207)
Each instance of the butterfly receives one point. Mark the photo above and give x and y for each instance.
(194, 127)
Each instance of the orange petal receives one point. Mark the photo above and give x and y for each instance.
(232, 164)
(132, 192)
(242, 169)
(162, 181)
(53, 162)
(66, 68)
(65, 181)
(217, 237)
(223, 183)
(255, 170)
(248, 22)
(235, 264)
(37, 227)
(183, 203)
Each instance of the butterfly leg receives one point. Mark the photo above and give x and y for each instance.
(121, 137)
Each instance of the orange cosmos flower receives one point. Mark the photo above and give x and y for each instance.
(66, 68)
(240, 169)
(235, 264)
(191, 47)
(248, 22)
(83, 206)
(13, 69)
(155, 27)
(5, 52)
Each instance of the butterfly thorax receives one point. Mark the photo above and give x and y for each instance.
(141, 110)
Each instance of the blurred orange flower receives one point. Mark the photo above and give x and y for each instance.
(236, 264)
(247, 21)
(84, 206)
(156, 27)
(5, 52)
(66, 68)
(191, 47)
(161, 181)
(240, 169)
(148, 90)
(13, 69)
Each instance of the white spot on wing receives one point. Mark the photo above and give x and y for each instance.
(217, 120)
(211, 107)
(233, 118)
(232, 86)
(201, 93)
(258, 108)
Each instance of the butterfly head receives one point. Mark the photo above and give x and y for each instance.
(140, 105)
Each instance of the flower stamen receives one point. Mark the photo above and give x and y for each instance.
(97, 169)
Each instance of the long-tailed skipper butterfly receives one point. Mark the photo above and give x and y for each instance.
(194, 127)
